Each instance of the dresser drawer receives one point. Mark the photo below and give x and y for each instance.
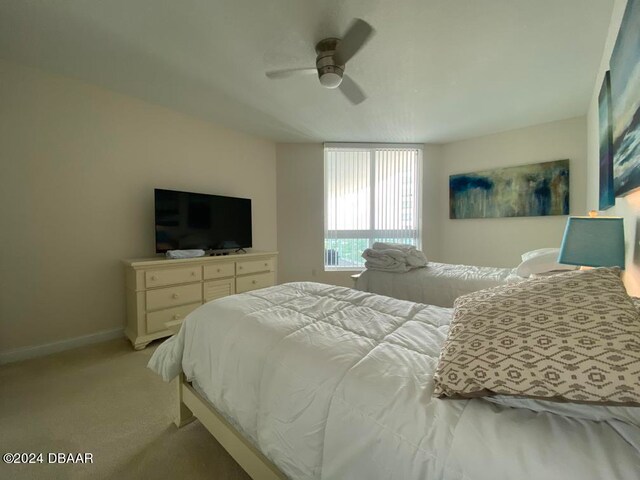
(172, 276)
(219, 270)
(156, 320)
(253, 282)
(174, 296)
(254, 266)
(219, 288)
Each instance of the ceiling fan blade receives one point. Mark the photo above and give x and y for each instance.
(359, 33)
(351, 90)
(290, 72)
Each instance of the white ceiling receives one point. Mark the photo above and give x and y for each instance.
(436, 70)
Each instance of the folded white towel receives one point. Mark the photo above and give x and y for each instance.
(383, 255)
(413, 256)
(185, 253)
(376, 260)
(386, 257)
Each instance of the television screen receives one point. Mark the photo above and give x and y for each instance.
(194, 220)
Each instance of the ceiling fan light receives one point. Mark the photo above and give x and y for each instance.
(330, 80)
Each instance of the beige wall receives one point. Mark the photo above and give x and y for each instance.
(501, 241)
(79, 165)
(432, 188)
(300, 174)
(627, 207)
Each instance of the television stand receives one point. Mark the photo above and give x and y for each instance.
(161, 290)
(238, 250)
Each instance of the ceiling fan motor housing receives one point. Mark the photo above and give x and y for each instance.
(329, 72)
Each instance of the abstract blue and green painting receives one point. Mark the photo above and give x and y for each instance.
(625, 100)
(523, 191)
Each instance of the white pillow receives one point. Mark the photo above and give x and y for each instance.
(541, 252)
(540, 261)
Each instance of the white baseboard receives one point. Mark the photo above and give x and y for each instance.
(25, 353)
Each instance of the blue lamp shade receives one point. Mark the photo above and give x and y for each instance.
(593, 242)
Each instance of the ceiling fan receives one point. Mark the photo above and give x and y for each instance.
(333, 54)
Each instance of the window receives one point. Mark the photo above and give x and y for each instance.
(372, 194)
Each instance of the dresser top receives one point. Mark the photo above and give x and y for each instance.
(163, 261)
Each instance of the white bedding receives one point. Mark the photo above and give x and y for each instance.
(436, 284)
(334, 383)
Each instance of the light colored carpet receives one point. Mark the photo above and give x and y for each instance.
(102, 399)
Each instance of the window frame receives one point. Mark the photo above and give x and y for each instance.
(371, 233)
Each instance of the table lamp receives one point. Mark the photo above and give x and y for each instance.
(593, 242)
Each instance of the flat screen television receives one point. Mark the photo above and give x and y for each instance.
(195, 220)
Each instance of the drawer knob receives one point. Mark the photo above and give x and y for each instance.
(176, 316)
(254, 282)
(266, 264)
(175, 295)
(193, 274)
(239, 267)
(153, 277)
(218, 270)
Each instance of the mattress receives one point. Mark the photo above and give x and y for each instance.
(436, 284)
(334, 383)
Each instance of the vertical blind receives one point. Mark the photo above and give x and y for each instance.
(372, 194)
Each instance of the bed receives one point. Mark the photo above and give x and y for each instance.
(436, 284)
(310, 381)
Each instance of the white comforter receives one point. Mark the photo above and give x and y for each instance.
(436, 284)
(334, 383)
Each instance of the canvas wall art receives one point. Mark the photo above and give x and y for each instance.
(625, 101)
(523, 191)
(607, 193)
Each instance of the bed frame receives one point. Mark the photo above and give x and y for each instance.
(192, 405)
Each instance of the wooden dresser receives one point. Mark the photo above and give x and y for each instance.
(161, 290)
